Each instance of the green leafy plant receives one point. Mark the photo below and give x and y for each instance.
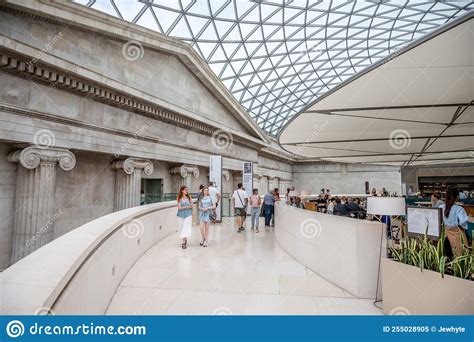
(426, 254)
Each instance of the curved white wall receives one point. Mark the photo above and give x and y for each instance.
(343, 250)
(79, 272)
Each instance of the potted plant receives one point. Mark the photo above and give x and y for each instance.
(421, 280)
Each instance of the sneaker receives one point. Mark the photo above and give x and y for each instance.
(257, 231)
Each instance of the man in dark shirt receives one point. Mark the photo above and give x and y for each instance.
(351, 206)
(340, 209)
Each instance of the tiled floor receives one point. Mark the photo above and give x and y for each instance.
(245, 273)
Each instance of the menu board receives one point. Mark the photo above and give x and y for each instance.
(247, 177)
(418, 218)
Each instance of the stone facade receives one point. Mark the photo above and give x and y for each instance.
(159, 117)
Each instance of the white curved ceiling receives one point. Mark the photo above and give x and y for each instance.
(415, 108)
(277, 56)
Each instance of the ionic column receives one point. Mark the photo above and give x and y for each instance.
(35, 201)
(186, 172)
(128, 181)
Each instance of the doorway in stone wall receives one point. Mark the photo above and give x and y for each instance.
(152, 190)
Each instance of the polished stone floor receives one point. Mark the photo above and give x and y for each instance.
(239, 274)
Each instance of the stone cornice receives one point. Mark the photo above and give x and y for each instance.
(78, 123)
(31, 157)
(130, 165)
(17, 64)
(86, 19)
(313, 162)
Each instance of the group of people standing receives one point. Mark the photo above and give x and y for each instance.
(208, 201)
(240, 202)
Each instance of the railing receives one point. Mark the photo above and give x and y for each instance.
(97, 256)
(340, 249)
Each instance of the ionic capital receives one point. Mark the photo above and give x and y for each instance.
(31, 157)
(185, 170)
(131, 165)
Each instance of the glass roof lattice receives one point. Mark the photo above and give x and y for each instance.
(278, 56)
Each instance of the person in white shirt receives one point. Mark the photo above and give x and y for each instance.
(216, 197)
(330, 209)
(239, 203)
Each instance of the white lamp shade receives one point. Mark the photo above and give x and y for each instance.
(386, 206)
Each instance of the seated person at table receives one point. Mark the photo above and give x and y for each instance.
(298, 203)
(340, 209)
(436, 201)
(331, 203)
(351, 206)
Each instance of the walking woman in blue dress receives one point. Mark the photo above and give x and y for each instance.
(185, 215)
(205, 210)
